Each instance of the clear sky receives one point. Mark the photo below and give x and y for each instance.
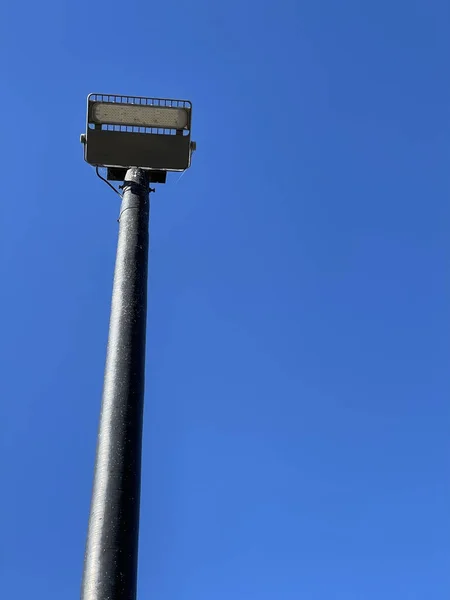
(297, 413)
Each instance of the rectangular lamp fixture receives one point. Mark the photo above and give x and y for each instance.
(140, 115)
(131, 131)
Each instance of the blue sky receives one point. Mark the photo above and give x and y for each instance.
(296, 425)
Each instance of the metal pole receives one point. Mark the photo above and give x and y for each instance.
(110, 564)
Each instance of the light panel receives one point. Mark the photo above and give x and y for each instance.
(124, 131)
(163, 117)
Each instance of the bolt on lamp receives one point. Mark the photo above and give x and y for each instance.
(138, 140)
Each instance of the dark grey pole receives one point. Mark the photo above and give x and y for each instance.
(110, 564)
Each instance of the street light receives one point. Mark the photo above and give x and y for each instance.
(138, 140)
(152, 133)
